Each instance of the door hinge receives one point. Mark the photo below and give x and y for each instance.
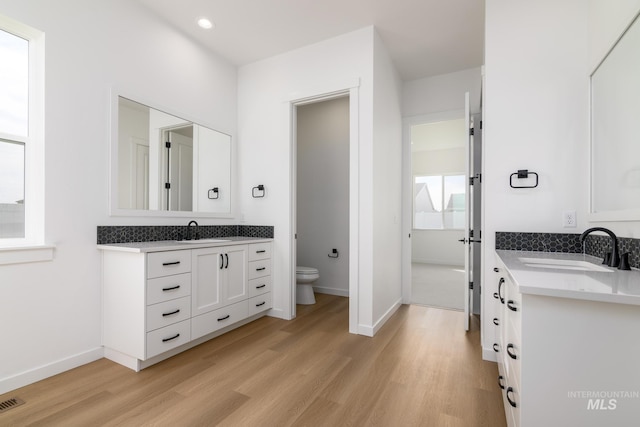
(167, 185)
(470, 233)
(471, 132)
(167, 144)
(470, 285)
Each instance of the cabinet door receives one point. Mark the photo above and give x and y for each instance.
(207, 275)
(236, 288)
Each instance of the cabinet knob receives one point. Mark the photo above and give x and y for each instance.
(496, 347)
(500, 379)
(496, 321)
(511, 305)
(496, 269)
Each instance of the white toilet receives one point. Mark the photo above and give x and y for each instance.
(305, 276)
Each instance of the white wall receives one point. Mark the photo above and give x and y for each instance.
(387, 187)
(323, 192)
(266, 92)
(52, 310)
(441, 93)
(535, 117)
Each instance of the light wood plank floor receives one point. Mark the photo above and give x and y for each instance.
(421, 369)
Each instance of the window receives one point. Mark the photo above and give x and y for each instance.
(21, 134)
(438, 202)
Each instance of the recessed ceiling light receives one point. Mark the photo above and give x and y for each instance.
(205, 23)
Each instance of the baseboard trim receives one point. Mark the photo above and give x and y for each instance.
(40, 373)
(331, 291)
(370, 331)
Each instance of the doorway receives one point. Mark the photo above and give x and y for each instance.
(438, 162)
(322, 192)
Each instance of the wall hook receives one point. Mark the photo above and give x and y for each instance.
(257, 189)
(214, 193)
(334, 253)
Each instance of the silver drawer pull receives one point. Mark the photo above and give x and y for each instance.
(171, 288)
(262, 303)
(260, 286)
(224, 318)
(169, 314)
(172, 338)
(170, 263)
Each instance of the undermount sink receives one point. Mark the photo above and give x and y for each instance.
(204, 241)
(564, 264)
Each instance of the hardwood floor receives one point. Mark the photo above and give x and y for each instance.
(421, 369)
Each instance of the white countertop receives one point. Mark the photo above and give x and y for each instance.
(616, 286)
(172, 245)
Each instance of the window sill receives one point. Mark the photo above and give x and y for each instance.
(25, 254)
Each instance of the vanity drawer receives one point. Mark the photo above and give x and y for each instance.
(259, 303)
(169, 337)
(259, 286)
(168, 263)
(259, 268)
(168, 288)
(259, 251)
(168, 312)
(217, 319)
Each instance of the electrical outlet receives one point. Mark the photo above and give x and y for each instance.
(569, 219)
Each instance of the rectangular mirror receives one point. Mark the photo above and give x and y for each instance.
(164, 165)
(615, 146)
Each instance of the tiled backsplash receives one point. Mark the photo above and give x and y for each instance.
(151, 233)
(595, 245)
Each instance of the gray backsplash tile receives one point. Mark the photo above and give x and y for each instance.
(108, 234)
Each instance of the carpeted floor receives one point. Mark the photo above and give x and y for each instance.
(437, 285)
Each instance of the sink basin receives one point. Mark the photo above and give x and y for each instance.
(204, 241)
(564, 264)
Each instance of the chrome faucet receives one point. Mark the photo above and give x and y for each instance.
(614, 259)
(197, 234)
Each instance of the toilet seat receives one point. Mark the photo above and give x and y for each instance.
(306, 270)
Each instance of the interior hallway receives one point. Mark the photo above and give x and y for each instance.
(421, 369)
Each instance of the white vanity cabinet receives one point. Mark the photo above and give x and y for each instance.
(566, 356)
(219, 296)
(259, 277)
(159, 302)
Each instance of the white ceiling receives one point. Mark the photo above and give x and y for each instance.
(424, 37)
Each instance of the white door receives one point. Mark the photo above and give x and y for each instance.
(235, 269)
(467, 214)
(207, 268)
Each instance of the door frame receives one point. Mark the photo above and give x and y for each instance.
(407, 190)
(350, 89)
